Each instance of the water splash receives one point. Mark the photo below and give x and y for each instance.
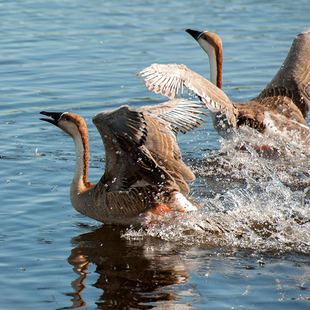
(249, 200)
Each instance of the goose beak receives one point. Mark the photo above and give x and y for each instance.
(55, 116)
(194, 33)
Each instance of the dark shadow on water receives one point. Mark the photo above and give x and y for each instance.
(130, 273)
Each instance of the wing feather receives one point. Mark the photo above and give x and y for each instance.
(293, 78)
(182, 115)
(170, 79)
(125, 131)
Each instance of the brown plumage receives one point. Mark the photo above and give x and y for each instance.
(279, 110)
(144, 166)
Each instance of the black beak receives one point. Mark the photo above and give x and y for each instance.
(194, 33)
(55, 116)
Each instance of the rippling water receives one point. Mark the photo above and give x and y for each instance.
(82, 57)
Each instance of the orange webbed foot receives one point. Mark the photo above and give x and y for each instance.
(159, 209)
(151, 216)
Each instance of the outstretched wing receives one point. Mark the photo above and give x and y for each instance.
(164, 120)
(128, 162)
(124, 124)
(182, 115)
(171, 79)
(293, 78)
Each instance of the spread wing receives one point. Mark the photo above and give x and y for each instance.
(182, 115)
(170, 80)
(165, 120)
(162, 144)
(128, 162)
(293, 78)
(124, 124)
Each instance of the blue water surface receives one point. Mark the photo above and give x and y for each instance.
(81, 57)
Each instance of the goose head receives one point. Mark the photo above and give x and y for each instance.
(209, 41)
(69, 122)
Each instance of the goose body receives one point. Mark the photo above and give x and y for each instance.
(278, 111)
(144, 167)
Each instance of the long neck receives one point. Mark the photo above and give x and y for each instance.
(86, 198)
(215, 55)
(216, 66)
(80, 181)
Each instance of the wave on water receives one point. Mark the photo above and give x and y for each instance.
(251, 199)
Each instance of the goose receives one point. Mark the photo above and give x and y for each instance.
(278, 111)
(144, 169)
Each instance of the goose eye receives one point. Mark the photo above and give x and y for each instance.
(66, 118)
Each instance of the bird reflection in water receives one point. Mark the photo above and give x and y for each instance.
(131, 273)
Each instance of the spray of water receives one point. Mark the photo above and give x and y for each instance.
(251, 199)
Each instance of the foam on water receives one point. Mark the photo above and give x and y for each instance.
(253, 203)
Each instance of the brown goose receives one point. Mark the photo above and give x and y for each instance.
(279, 110)
(144, 167)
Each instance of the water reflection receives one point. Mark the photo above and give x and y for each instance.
(130, 273)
